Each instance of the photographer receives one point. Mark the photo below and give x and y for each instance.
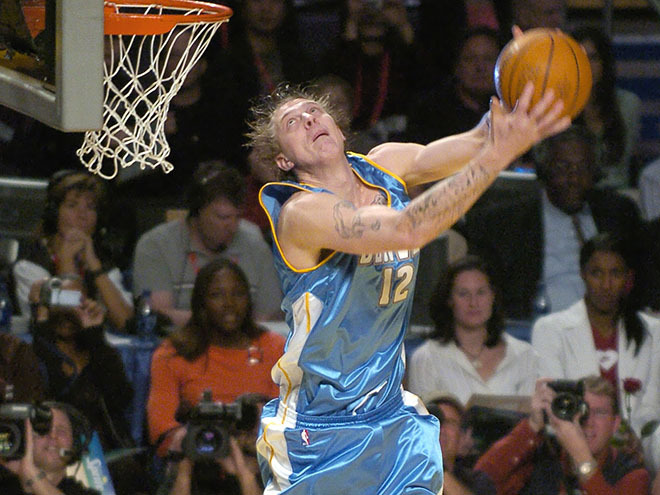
(42, 469)
(456, 440)
(82, 369)
(229, 467)
(578, 456)
(221, 348)
(377, 54)
(74, 239)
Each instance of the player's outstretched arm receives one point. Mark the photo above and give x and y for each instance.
(312, 222)
(420, 164)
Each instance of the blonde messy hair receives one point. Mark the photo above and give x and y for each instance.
(262, 137)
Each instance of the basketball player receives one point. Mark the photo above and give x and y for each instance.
(347, 238)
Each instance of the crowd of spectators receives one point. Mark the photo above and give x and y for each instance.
(572, 253)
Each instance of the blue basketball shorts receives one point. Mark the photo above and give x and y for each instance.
(393, 450)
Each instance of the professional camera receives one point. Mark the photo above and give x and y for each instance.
(53, 295)
(569, 400)
(12, 426)
(209, 425)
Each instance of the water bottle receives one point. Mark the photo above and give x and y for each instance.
(146, 318)
(541, 301)
(5, 308)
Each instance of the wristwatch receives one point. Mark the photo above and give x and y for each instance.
(585, 469)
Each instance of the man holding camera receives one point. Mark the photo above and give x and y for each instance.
(214, 452)
(42, 469)
(547, 455)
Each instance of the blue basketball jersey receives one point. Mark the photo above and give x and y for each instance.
(342, 422)
(348, 315)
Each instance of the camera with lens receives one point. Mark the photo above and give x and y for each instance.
(569, 400)
(12, 426)
(53, 294)
(209, 426)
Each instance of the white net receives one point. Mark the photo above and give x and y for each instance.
(142, 73)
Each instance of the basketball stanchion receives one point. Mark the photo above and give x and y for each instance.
(150, 47)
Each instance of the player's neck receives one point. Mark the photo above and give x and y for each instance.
(350, 188)
(335, 175)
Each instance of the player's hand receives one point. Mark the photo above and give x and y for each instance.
(513, 133)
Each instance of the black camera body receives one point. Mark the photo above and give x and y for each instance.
(209, 425)
(569, 400)
(12, 427)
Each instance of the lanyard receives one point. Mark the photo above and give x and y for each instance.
(264, 75)
(383, 82)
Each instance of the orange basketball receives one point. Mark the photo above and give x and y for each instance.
(550, 59)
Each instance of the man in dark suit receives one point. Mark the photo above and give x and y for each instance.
(532, 234)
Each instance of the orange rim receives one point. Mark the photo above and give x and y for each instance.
(128, 23)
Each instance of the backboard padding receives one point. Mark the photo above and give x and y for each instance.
(74, 101)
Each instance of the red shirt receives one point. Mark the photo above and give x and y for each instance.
(227, 372)
(509, 464)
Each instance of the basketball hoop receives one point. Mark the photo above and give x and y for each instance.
(150, 47)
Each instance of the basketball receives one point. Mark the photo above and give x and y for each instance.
(550, 59)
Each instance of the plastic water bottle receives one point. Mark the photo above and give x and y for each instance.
(5, 308)
(146, 318)
(541, 301)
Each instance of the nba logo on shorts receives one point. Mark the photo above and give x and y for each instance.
(305, 437)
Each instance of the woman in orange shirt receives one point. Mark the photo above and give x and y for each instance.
(221, 349)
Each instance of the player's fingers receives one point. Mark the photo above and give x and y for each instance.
(550, 112)
(552, 121)
(525, 100)
(557, 127)
(516, 31)
(496, 110)
(541, 108)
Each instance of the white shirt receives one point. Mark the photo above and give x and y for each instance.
(436, 367)
(649, 190)
(27, 273)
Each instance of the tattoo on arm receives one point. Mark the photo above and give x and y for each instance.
(356, 227)
(379, 199)
(449, 201)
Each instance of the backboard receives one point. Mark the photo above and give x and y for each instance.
(22, 202)
(51, 61)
